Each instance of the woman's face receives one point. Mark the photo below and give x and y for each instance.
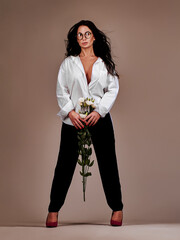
(85, 37)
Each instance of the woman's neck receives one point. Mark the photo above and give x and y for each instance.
(87, 52)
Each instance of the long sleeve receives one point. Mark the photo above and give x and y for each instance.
(62, 92)
(109, 97)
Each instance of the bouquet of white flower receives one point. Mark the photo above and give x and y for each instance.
(84, 141)
(87, 106)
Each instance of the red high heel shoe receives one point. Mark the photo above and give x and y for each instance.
(51, 224)
(115, 223)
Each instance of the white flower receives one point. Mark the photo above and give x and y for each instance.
(82, 115)
(89, 103)
(81, 100)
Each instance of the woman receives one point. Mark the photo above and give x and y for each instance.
(87, 71)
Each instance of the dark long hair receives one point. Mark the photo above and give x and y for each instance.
(101, 45)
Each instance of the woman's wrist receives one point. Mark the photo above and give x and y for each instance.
(70, 112)
(97, 112)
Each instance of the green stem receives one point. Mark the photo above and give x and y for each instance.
(84, 195)
(84, 188)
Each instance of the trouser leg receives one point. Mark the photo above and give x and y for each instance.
(104, 146)
(64, 170)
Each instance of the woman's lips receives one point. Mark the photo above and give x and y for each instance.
(84, 43)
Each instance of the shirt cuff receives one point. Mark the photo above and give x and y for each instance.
(101, 110)
(65, 110)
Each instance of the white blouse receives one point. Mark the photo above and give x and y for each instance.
(72, 84)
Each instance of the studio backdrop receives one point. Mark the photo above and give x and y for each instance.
(145, 40)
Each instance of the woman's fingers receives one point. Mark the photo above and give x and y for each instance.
(79, 123)
(87, 117)
(75, 125)
(92, 118)
(75, 119)
(95, 122)
(90, 121)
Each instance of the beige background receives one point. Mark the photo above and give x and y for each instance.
(145, 41)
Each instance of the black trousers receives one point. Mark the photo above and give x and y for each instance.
(104, 145)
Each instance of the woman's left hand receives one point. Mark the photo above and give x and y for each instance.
(92, 118)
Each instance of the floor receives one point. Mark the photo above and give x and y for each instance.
(89, 231)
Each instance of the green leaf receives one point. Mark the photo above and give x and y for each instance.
(90, 164)
(79, 161)
(89, 151)
(79, 152)
(80, 133)
(88, 133)
(87, 174)
(84, 135)
(78, 137)
(87, 162)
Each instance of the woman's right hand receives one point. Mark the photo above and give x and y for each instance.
(76, 119)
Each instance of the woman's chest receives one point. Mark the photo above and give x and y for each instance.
(88, 67)
(77, 76)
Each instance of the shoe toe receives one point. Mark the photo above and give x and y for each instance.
(51, 224)
(115, 223)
